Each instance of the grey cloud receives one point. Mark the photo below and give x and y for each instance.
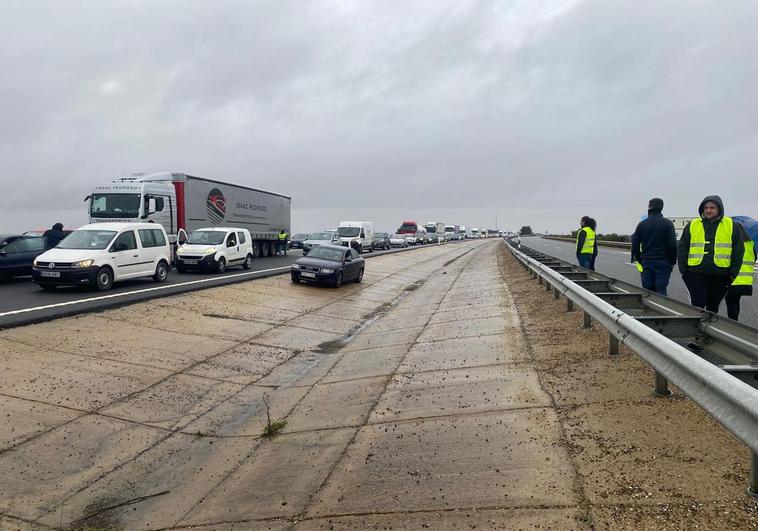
(539, 112)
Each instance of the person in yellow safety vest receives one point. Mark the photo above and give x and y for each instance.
(282, 242)
(586, 245)
(710, 254)
(743, 284)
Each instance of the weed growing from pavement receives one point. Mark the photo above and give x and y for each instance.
(272, 429)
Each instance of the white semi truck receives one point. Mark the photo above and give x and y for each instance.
(184, 203)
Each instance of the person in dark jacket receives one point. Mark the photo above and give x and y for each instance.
(54, 235)
(654, 248)
(710, 254)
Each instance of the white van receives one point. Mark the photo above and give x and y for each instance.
(100, 254)
(216, 248)
(357, 234)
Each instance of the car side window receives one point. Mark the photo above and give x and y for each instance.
(11, 248)
(354, 254)
(124, 242)
(241, 236)
(146, 237)
(160, 239)
(231, 240)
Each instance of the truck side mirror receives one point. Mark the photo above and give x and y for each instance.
(87, 198)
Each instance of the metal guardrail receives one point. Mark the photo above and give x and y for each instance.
(654, 327)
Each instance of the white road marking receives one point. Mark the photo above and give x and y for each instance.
(138, 291)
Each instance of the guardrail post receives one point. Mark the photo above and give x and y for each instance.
(569, 305)
(613, 345)
(547, 286)
(587, 320)
(556, 294)
(661, 385)
(539, 279)
(753, 489)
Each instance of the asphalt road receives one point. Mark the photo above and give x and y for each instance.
(22, 302)
(615, 263)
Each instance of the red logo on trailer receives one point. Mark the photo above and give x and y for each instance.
(216, 205)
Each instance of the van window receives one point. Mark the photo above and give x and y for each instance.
(151, 237)
(241, 236)
(124, 242)
(231, 240)
(146, 237)
(160, 239)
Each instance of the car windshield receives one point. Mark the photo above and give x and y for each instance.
(326, 253)
(207, 237)
(408, 228)
(431, 228)
(87, 239)
(321, 236)
(114, 205)
(348, 232)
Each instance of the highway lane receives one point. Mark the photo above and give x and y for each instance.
(616, 263)
(23, 302)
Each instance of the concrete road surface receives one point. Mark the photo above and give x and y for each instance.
(430, 396)
(616, 263)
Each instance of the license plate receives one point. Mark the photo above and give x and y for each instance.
(308, 275)
(50, 274)
(190, 262)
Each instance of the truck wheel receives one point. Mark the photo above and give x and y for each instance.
(161, 272)
(221, 265)
(248, 262)
(272, 248)
(104, 279)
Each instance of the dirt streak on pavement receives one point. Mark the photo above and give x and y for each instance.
(447, 391)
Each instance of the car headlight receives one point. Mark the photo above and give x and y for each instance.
(295, 266)
(82, 263)
(327, 270)
(212, 250)
(34, 264)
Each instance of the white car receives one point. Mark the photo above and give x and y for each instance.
(328, 237)
(100, 254)
(398, 240)
(411, 239)
(216, 248)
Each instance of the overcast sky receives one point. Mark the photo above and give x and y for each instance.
(537, 112)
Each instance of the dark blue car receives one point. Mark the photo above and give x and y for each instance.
(329, 264)
(17, 253)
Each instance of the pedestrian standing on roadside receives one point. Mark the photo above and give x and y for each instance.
(53, 236)
(593, 225)
(654, 248)
(710, 254)
(743, 284)
(586, 246)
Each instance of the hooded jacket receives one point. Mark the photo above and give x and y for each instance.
(707, 267)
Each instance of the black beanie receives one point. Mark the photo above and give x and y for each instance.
(655, 203)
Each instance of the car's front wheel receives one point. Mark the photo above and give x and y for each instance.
(104, 279)
(338, 281)
(221, 265)
(295, 279)
(248, 262)
(359, 279)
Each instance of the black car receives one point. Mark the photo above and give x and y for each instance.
(329, 264)
(382, 241)
(296, 242)
(17, 253)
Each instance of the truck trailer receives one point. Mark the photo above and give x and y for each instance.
(184, 203)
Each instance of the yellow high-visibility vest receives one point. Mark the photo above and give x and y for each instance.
(745, 276)
(589, 241)
(722, 247)
(282, 235)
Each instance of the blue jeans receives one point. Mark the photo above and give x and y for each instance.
(585, 260)
(655, 275)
